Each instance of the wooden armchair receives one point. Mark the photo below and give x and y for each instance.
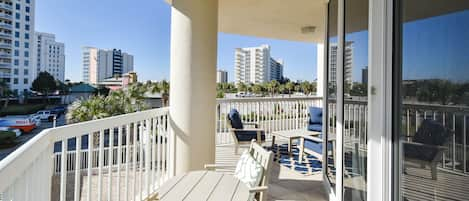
(427, 145)
(264, 158)
(240, 134)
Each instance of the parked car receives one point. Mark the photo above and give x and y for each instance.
(45, 115)
(24, 123)
(36, 119)
(15, 130)
(59, 110)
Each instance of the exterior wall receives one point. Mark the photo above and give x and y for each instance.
(50, 55)
(254, 65)
(17, 66)
(100, 64)
(222, 76)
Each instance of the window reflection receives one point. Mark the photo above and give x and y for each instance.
(434, 100)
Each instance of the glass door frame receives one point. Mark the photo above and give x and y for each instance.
(380, 165)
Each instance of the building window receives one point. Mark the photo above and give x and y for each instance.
(28, 1)
(17, 34)
(26, 72)
(27, 18)
(26, 63)
(26, 44)
(16, 62)
(17, 25)
(25, 81)
(18, 6)
(17, 53)
(17, 43)
(17, 16)
(15, 80)
(27, 9)
(26, 53)
(26, 26)
(26, 35)
(15, 71)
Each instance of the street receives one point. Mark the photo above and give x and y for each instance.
(27, 136)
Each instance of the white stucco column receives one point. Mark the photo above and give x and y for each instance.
(320, 68)
(193, 82)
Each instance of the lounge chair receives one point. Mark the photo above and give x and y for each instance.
(309, 144)
(264, 158)
(240, 134)
(427, 146)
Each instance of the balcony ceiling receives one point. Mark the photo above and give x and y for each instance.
(278, 19)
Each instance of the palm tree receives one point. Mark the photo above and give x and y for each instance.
(164, 90)
(242, 87)
(257, 89)
(5, 92)
(273, 87)
(290, 86)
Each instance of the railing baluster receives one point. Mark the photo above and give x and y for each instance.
(454, 143)
(90, 163)
(110, 162)
(101, 164)
(127, 160)
(464, 144)
(63, 170)
(134, 160)
(147, 156)
(77, 168)
(119, 160)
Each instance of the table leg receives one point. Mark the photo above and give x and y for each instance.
(301, 150)
(273, 142)
(289, 145)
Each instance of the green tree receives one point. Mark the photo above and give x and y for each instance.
(5, 92)
(242, 87)
(290, 86)
(44, 83)
(164, 90)
(257, 89)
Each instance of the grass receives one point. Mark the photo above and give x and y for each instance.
(21, 109)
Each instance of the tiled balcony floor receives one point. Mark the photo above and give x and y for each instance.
(285, 184)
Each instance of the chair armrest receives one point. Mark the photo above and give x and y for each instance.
(258, 189)
(215, 166)
(256, 125)
(312, 138)
(425, 145)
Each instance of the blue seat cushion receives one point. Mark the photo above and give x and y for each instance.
(313, 146)
(315, 115)
(244, 136)
(315, 127)
(235, 119)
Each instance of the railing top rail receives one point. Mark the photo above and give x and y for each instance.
(261, 99)
(17, 162)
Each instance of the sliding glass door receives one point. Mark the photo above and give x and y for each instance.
(431, 114)
(347, 95)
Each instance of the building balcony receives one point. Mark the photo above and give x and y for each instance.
(5, 36)
(6, 26)
(4, 45)
(5, 6)
(6, 16)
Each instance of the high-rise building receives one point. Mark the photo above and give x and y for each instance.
(99, 64)
(365, 75)
(254, 65)
(222, 76)
(50, 55)
(16, 44)
(348, 63)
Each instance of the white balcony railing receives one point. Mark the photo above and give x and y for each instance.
(136, 166)
(271, 114)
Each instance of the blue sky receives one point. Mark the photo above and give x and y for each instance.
(144, 31)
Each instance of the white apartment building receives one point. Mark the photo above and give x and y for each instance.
(222, 76)
(348, 62)
(50, 55)
(99, 64)
(16, 43)
(254, 65)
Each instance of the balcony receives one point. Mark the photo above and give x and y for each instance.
(5, 6)
(6, 16)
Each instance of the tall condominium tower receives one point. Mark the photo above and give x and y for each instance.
(222, 76)
(50, 55)
(254, 65)
(348, 63)
(16, 44)
(99, 64)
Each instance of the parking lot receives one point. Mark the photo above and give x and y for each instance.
(27, 136)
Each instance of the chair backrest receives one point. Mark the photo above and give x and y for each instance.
(234, 119)
(315, 115)
(432, 133)
(264, 157)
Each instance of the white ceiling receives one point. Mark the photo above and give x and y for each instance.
(278, 19)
